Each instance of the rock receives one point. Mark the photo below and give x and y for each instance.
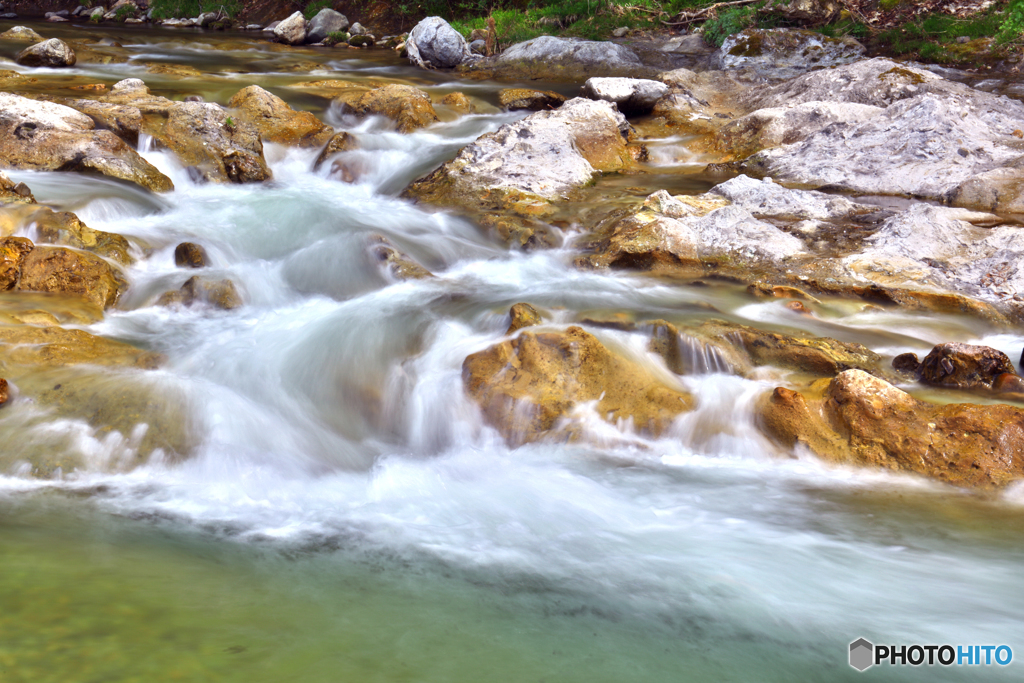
(340, 142)
(51, 53)
(633, 96)
(786, 52)
(478, 47)
(54, 347)
(620, 32)
(12, 254)
(407, 106)
(522, 315)
(516, 99)
(292, 30)
(3, 391)
(363, 40)
(458, 102)
(276, 121)
(46, 136)
(690, 44)
(190, 255)
(206, 18)
(64, 228)
(199, 134)
(21, 34)
(218, 294)
(863, 420)
(357, 29)
(808, 12)
(767, 199)
(326, 22)
(552, 374)
(478, 34)
(399, 266)
(964, 366)
(523, 166)
(14, 193)
(123, 121)
(564, 59)
(434, 44)
(73, 273)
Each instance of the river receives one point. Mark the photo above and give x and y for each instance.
(345, 514)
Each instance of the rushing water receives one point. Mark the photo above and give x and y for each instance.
(345, 515)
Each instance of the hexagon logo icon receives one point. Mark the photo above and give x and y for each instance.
(862, 654)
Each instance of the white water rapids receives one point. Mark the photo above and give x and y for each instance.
(329, 420)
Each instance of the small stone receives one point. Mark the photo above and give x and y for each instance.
(190, 255)
(3, 391)
(963, 40)
(906, 362)
(522, 315)
(519, 99)
(620, 32)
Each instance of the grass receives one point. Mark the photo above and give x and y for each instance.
(931, 37)
(173, 9)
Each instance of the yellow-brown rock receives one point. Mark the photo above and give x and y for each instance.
(863, 420)
(53, 346)
(519, 99)
(14, 193)
(3, 391)
(525, 386)
(66, 229)
(458, 102)
(74, 273)
(520, 316)
(410, 108)
(398, 265)
(276, 121)
(216, 293)
(339, 142)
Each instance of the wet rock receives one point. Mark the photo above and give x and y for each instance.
(51, 53)
(523, 166)
(46, 136)
(339, 142)
(863, 420)
(907, 363)
(407, 106)
(325, 22)
(12, 254)
(64, 228)
(72, 273)
(21, 34)
(54, 347)
(786, 52)
(215, 293)
(809, 12)
(564, 59)
(458, 102)
(276, 121)
(190, 255)
(516, 99)
(689, 44)
(175, 70)
(633, 96)
(123, 121)
(529, 387)
(292, 30)
(522, 315)
(964, 366)
(14, 193)
(3, 391)
(521, 232)
(434, 44)
(399, 266)
(767, 199)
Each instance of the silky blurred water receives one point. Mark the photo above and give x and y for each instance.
(343, 512)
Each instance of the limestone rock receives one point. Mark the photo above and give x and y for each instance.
(46, 136)
(123, 121)
(325, 22)
(786, 52)
(21, 34)
(516, 99)
(525, 165)
(434, 44)
(529, 386)
(292, 30)
(520, 316)
(74, 273)
(190, 255)
(863, 420)
(407, 106)
(565, 59)
(51, 53)
(276, 121)
(633, 96)
(458, 102)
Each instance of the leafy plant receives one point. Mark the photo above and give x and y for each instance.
(123, 12)
(731, 20)
(1012, 25)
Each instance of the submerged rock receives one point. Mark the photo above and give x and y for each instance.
(276, 121)
(51, 53)
(530, 387)
(434, 44)
(519, 99)
(863, 420)
(398, 266)
(458, 102)
(525, 165)
(46, 136)
(339, 142)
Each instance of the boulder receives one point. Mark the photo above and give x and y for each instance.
(362, 40)
(633, 96)
(518, 99)
(123, 121)
(407, 106)
(60, 271)
(863, 420)
(564, 59)
(530, 387)
(190, 255)
(51, 53)
(526, 165)
(786, 52)
(959, 366)
(326, 22)
(63, 228)
(215, 293)
(357, 29)
(46, 136)
(21, 34)
(276, 121)
(292, 30)
(433, 44)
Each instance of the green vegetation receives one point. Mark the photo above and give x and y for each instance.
(123, 12)
(336, 37)
(729, 21)
(173, 9)
(933, 37)
(314, 7)
(1012, 27)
